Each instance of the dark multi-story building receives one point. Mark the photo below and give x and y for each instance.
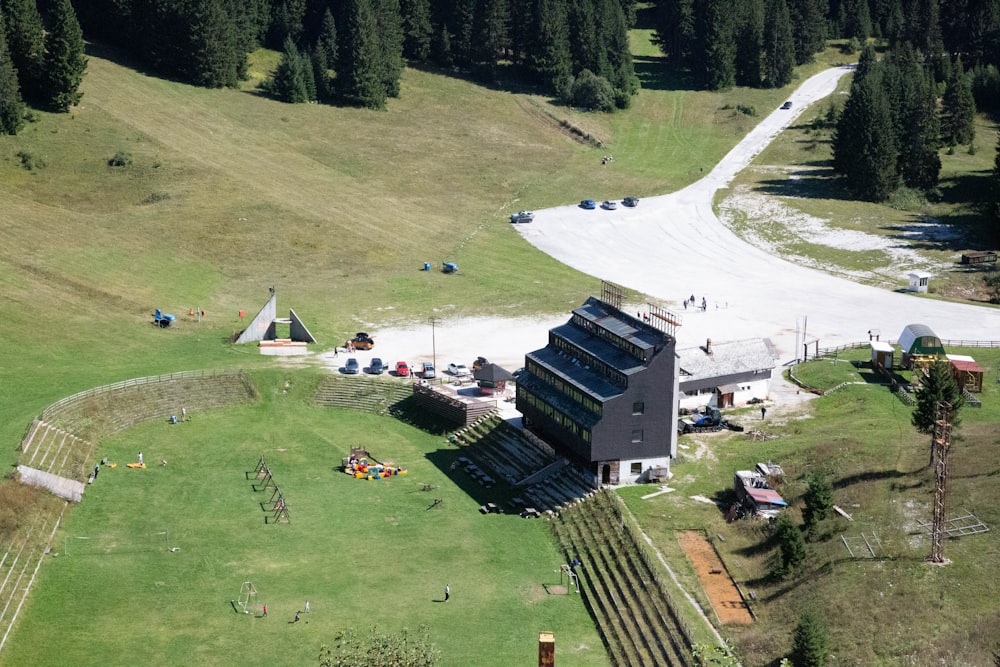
(603, 392)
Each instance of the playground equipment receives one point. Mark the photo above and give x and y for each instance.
(449, 267)
(361, 465)
(163, 320)
(276, 505)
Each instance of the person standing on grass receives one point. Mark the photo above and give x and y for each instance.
(265, 611)
(763, 412)
(307, 606)
(447, 592)
(140, 458)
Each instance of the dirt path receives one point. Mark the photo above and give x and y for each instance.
(718, 585)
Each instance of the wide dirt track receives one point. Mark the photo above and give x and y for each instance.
(673, 246)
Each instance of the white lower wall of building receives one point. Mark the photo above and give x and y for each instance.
(759, 389)
(636, 471)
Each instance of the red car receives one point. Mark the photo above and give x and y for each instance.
(402, 370)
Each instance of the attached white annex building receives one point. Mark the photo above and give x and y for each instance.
(725, 375)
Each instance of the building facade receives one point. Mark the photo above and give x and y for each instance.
(603, 392)
(724, 375)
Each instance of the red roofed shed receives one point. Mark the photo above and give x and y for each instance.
(968, 374)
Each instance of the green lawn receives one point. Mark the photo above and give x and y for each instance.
(361, 552)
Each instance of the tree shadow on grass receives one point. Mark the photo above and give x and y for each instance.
(655, 73)
(868, 476)
(809, 184)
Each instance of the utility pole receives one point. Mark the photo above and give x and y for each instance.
(434, 321)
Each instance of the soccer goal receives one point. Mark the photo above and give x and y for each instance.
(248, 597)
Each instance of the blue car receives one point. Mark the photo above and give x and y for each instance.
(352, 367)
(588, 204)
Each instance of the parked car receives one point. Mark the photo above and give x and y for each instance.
(522, 216)
(608, 205)
(376, 367)
(787, 105)
(428, 373)
(459, 370)
(402, 370)
(588, 204)
(352, 367)
(631, 202)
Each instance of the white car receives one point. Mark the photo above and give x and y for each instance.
(459, 370)
(609, 205)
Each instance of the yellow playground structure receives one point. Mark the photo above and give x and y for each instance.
(362, 465)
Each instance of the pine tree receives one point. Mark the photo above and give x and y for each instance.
(938, 384)
(288, 83)
(25, 43)
(959, 124)
(418, 31)
(212, 57)
(490, 35)
(549, 56)
(321, 75)
(441, 47)
(791, 545)
(64, 62)
(919, 160)
(328, 38)
(864, 142)
(750, 44)
(390, 32)
(676, 32)
(810, 641)
(996, 182)
(718, 57)
(779, 45)
(360, 68)
(620, 69)
(818, 500)
(11, 104)
(808, 29)
(461, 20)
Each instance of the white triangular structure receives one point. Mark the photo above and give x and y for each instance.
(263, 327)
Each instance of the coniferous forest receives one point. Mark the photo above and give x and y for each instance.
(940, 61)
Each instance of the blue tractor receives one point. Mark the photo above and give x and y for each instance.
(163, 320)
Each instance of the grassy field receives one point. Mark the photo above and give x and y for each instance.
(226, 193)
(362, 552)
(894, 610)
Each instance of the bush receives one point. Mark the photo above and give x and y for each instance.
(593, 92)
(746, 110)
(120, 159)
(30, 162)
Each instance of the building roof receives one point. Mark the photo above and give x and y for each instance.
(914, 332)
(967, 366)
(728, 358)
(645, 336)
(769, 496)
(576, 373)
(881, 346)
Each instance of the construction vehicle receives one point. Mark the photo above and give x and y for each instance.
(706, 422)
(361, 341)
(163, 320)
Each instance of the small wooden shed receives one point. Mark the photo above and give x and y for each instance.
(919, 345)
(968, 374)
(919, 281)
(882, 354)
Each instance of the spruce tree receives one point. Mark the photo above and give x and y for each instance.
(490, 35)
(25, 42)
(750, 44)
(864, 142)
(779, 45)
(818, 500)
(937, 384)
(11, 104)
(441, 47)
(676, 32)
(791, 545)
(360, 68)
(390, 32)
(718, 61)
(959, 124)
(328, 38)
(213, 57)
(808, 28)
(288, 83)
(418, 32)
(620, 69)
(461, 19)
(919, 160)
(64, 62)
(996, 182)
(549, 58)
(810, 641)
(321, 75)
